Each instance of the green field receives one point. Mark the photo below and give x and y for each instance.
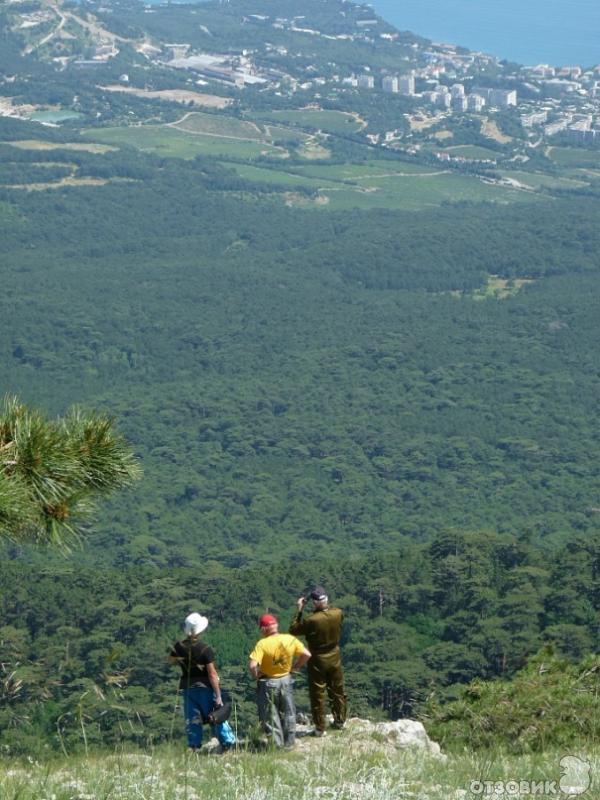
(412, 193)
(540, 180)
(280, 177)
(574, 157)
(330, 121)
(472, 151)
(365, 171)
(169, 141)
(287, 135)
(219, 125)
(378, 185)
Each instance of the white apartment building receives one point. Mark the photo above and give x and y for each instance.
(475, 102)
(535, 118)
(459, 103)
(390, 84)
(503, 98)
(406, 84)
(366, 82)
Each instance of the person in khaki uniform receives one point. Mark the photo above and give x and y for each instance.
(323, 630)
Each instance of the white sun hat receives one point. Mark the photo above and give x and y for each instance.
(194, 624)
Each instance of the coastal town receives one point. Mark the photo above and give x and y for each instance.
(440, 80)
(549, 100)
(420, 89)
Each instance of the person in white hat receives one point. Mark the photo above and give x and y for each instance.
(199, 683)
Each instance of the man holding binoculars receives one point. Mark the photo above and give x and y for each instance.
(323, 630)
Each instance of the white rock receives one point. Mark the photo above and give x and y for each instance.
(402, 733)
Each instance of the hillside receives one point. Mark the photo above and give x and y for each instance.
(351, 335)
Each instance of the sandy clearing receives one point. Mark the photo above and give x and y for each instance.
(38, 187)
(35, 144)
(490, 129)
(421, 124)
(312, 150)
(174, 95)
(403, 175)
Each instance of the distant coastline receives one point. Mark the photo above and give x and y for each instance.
(556, 32)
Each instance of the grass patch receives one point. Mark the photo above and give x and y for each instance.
(219, 125)
(540, 180)
(382, 184)
(498, 288)
(341, 770)
(168, 141)
(574, 157)
(416, 192)
(361, 172)
(338, 122)
(280, 177)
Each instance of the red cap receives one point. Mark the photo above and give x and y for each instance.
(267, 620)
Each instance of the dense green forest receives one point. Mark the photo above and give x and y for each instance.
(400, 404)
(291, 376)
(88, 646)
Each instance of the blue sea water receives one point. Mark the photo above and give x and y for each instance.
(557, 32)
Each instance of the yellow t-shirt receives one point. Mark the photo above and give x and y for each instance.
(275, 654)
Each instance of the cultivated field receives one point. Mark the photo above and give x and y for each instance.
(281, 177)
(366, 170)
(167, 140)
(541, 180)
(472, 151)
(219, 125)
(382, 184)
(316, 119)
(574, 157)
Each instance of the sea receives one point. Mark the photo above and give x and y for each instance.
(556, 32)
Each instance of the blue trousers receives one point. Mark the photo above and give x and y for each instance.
(198, 702)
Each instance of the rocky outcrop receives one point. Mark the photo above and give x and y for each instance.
(402, 733)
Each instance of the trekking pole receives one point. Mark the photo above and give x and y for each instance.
(175, 707)
(235, 727)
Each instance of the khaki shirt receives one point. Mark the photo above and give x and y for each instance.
(322, 629)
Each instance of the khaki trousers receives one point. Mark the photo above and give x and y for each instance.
(325, 675)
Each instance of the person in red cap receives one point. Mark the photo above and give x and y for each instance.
(323, 631)
(271, 662)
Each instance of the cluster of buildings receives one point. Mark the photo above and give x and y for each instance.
(441, 78)
(102, 53)
(568, 103)
(450, 97)
(238, 71)
(456, 98)
(549, 100)
(578, 128)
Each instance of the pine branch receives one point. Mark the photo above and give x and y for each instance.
(52, 471)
